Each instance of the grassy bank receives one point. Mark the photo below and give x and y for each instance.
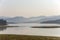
(26, 37)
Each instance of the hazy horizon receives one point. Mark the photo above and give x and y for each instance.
(29, 17)
(29, 8)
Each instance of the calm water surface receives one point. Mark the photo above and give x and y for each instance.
(25, 29)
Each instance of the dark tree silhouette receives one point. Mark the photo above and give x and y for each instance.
(3, 22)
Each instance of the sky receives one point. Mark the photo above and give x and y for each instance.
(29, 8)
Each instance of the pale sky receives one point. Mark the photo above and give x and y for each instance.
(29, 8)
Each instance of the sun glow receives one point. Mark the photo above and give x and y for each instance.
(56, 3)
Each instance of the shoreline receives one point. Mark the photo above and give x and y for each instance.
(8, 26)
(46, 27)
(26, 37)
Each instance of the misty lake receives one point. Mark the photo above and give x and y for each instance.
(26, 29)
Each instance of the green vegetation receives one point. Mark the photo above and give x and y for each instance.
(26, 37)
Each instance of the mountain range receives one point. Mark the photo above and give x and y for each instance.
(39, 19)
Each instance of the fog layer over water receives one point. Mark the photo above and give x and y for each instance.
(26, 29)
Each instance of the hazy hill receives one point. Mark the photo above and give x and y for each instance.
(17, 19)
(42, 19)
(52, 21)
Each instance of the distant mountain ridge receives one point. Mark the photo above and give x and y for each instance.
(52, 21)
(39, 19)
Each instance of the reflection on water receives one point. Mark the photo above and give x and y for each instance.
(32, 24)
(3, 28)
(26, 29)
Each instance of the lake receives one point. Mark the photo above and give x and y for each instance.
(26, 29)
